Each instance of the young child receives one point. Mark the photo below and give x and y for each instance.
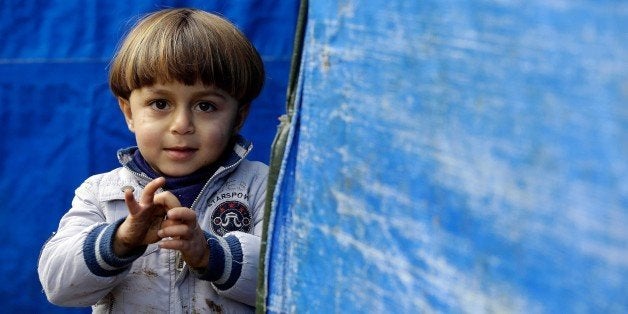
(177, 227)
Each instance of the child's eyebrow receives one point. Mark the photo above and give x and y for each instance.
(212, 92)
(155, 90)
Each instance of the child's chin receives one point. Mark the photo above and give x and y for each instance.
(177, 172)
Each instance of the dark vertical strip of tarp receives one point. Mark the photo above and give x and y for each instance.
(278, 150)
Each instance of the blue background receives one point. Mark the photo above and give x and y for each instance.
(457, 157)
(61, 124)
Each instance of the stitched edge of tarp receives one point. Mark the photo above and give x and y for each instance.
(278, 150)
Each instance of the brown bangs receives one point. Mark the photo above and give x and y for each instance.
(187, 46)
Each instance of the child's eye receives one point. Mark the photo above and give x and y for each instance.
(205, 106)
(159, 104)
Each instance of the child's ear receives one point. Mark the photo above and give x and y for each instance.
(243, 112)
(125, 106)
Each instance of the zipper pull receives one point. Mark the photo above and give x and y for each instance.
(179, 262)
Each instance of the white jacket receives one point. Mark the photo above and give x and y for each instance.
(77, 266)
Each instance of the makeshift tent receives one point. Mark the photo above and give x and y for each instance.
(456, 157)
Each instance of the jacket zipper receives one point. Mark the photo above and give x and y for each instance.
(179, 262)
(210, 180)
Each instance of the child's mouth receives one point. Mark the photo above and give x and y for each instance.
(180, 153)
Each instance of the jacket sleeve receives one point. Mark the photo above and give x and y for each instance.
(77, 266)
(233, 265)
(234, 257)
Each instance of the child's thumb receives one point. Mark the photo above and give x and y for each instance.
(167, 200)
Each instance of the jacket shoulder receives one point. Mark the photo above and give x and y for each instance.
(253, 168)
(108, 185)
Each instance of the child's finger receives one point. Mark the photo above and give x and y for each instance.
(167, 200)
(172, 244)
(175, 231)
(183, 214)
(131, 204)
(185, 221)
(151, 188)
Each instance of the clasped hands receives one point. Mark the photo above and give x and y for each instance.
(159, 217)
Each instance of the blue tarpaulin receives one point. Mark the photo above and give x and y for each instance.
(456, 157)
(61, 124)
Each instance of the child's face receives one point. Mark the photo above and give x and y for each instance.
(179, 128)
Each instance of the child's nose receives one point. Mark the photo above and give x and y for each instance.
(182, 122)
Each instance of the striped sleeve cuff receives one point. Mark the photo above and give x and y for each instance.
(99, 255)
(225, 261)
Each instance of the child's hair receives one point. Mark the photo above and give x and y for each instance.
(188, 46)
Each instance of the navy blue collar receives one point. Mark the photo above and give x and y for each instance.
(188, 187)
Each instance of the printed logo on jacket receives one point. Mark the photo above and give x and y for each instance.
(231, 216)
(230, 208)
